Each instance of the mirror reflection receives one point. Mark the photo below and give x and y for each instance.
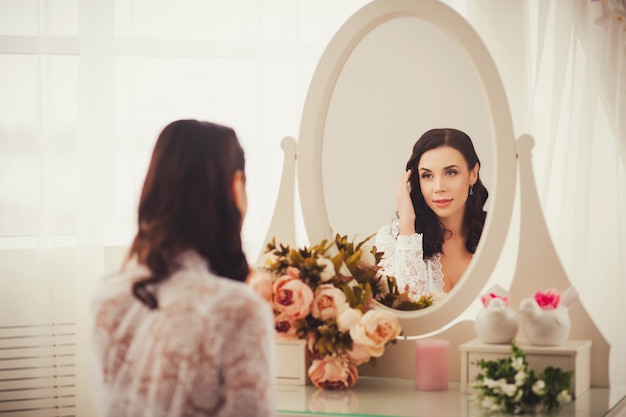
(385, 98)
(440, 215)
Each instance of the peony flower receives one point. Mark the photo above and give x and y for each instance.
(348, 317)
(261, 282)
(292, 296)
(332, 372)
(486, 298)
(375, 329)
(286, 327)
(327, 302)
(358, 354)
(548, 300)
(329, 269)
(367, 258)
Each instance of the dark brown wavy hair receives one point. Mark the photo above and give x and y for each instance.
(187, 203)
(426, 221)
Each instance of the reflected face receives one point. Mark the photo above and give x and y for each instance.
(445, 181)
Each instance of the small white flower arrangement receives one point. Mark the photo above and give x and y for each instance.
(509, 385)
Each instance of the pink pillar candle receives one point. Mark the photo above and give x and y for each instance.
(431, 364)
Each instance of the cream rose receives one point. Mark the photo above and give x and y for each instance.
(292, 296)
(327, 302)
(348, 317)
(329, 269)
(367, 257)
(375, 329)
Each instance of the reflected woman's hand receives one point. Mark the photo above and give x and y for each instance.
(406, 212)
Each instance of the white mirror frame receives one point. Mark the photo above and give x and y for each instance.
(311, 138)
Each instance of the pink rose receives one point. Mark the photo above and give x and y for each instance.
(261, 282)
(327, 302)
(333, 373)
(292, 296)
(374, 330)
(548, 300)
(486, 298)
(286, 327)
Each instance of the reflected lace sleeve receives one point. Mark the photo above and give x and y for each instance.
(403, 259)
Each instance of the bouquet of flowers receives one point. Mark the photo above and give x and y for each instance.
(510, 385)
(325, 294)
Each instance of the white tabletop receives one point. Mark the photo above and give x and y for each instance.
(391, 397)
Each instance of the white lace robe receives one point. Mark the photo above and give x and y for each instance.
(404, 259)
(206, 351)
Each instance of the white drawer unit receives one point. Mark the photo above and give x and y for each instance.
(291, 362)
(573, 355)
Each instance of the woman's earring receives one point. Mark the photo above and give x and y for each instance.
(472, 189)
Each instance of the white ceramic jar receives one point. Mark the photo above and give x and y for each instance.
(544, 327)
(496, 323)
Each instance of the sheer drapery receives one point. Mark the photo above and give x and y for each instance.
(85, 87)
(563, 65)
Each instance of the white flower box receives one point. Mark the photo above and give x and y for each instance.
(572, 355)
(291, 362)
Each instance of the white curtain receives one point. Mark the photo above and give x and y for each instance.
(86, 85)
(563, 64)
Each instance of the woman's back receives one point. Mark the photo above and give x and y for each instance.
(204, 351)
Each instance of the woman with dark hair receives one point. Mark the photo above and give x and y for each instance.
(177, 332)
(440, 215)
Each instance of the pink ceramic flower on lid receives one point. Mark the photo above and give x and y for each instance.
(548, 300)
(486, 298)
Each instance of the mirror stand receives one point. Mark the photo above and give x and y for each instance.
(538, 268)
(283, 223)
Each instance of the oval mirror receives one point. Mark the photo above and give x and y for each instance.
(395, 69)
